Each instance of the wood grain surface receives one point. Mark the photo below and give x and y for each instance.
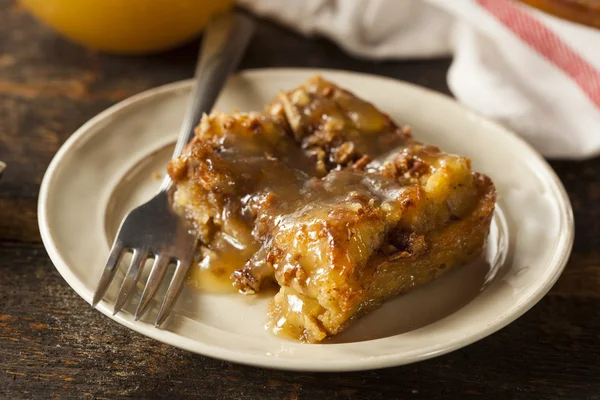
(586, 12)
(53, 345)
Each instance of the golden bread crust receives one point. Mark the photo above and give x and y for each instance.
(329, 198)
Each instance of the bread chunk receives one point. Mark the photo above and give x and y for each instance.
(328, 198)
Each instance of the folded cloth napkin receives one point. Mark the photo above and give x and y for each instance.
(535, 73)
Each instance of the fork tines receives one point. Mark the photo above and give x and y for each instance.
(160, 265)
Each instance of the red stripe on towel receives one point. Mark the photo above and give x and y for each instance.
(543, 40)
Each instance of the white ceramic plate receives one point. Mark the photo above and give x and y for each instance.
(107, 168)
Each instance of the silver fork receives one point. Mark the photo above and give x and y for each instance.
(153, 230)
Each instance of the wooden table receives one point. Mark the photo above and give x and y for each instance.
(585, 12)
(52, 344)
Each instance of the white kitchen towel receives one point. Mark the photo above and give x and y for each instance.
(535, 73)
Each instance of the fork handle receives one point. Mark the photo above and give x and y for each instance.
(224, 41)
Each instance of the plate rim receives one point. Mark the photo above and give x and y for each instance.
(557, 262)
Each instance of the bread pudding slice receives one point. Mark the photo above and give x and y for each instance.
(328, 198)
(340, 260)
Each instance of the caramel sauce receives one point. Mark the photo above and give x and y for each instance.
(212, 274)
(334, 160)
(273, 193)
(315, 195)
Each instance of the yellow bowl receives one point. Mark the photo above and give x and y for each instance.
(127, 26)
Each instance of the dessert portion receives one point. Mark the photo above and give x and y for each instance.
(326, 197)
